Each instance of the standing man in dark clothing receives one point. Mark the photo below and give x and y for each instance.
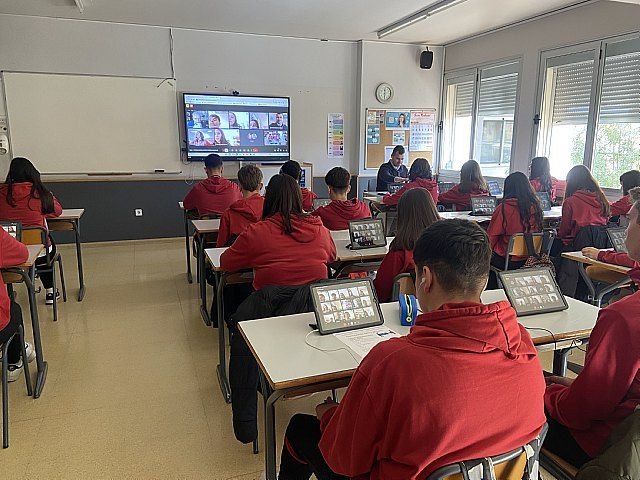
(393, 171)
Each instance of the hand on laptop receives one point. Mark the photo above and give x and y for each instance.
(321, 409)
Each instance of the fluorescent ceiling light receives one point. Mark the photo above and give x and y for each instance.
(418, 16)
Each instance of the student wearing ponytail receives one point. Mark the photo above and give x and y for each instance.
(25, 199)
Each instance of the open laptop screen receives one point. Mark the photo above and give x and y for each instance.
(483, 205)
(13, 228)
(617, 236)
(367, 233)
(532, 290)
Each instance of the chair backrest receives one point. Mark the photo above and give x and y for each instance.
(403, 284)
(518, 464)
(518, 246)
(35, 236)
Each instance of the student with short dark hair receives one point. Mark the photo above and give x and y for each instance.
(541, 179)
(25, 199)
(392, 171)
(337, 214)
(465, 383)
(416, 211)
(245, 211)
(519, 212)
(628, 180)
(584, 204)
(294, 170)
(472, 184)
(287, 247)
(215, 194)
(582, 412)
(419, 177)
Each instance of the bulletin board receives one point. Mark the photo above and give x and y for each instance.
(412, 128)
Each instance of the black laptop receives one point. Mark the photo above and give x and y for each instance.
(14, 229)
(483, 206)
(532, 290)
(617, 236)
(367, 233)
(394, 187)
(494, 188)
(545, 200)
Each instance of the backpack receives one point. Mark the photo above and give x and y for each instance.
(542, 259)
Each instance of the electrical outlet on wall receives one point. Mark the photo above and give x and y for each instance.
(138, 212)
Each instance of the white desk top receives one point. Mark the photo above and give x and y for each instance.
(278, 343)
(579, 257)
(338, 235)
(465, 216)
(206, 226)
(374, 196)
(68, 214)
(213, 257)
(344, 254)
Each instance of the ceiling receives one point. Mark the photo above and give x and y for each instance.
(330, 19)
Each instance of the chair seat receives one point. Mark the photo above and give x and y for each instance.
(565, 466)
(601, 274)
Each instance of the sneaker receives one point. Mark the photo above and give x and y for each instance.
(15, 370)
(31, 352)
(49, 298)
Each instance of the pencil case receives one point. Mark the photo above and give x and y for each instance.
(408, 310)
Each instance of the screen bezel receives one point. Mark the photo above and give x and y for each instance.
(477, 198)
(354, 244)
(235, 158)
(317, 309)
(18, 226)
(533, 271)
(542, 198)
(609, 234)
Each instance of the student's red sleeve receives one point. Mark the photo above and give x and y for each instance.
(12, 252)
(494, 230)
(616, 258)
(225, 229)
(351, 433)
(391, 266)
(621, 207)
(57, 209)
(610, 367)
(238, 256)
(566, 221)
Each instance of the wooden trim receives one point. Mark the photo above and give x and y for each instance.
(589, 261)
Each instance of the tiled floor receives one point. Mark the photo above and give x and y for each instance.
(132, 391)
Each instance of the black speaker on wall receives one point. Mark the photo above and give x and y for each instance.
(426, 59)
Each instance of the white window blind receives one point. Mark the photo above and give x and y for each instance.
(498, 96)
(572, 93)
(620, 101)
(464, 99)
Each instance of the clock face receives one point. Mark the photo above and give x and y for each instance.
(384, 92)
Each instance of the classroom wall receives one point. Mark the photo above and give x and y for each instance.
(591, 22)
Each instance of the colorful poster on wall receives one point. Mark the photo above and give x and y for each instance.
(373, 117)
(335, 135)
(397, 120)
(422, 131)
(373, 134)
(399, 137)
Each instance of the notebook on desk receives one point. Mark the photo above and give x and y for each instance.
(532, 290)
(341, 305)
(13, 228)
(483, 206)
(367, 233)
(617, 236)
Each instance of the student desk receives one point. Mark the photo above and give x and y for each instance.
(346, 256)
(374, 196)
(290, 367)
(583, 261)
(70, 220)
(553, 214)
(26, 274)
(202, 228)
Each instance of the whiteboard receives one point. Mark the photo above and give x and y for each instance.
(78, 124)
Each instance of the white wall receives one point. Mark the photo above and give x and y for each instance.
(579, 25)
(399, 65)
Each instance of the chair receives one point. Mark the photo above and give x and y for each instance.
(517, 247)
(403, 284)
(19, 331)
(608, 281)
(556, 466)
(40, 236)
(518, 464)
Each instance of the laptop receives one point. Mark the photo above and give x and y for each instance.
(617, 236)
(320, 202)
(494, 188)
(14, 229)
(367, 233)
(532, 290)
(545, 201)
(342, 305)
(483, 206)
(394, 187)
(445, 186)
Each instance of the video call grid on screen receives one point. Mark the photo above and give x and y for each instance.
(237, 125)
(367, 233)
(12, 229)
(345, 305)
(533, 290)
(545, 200)
(617, 236)
(483, 205)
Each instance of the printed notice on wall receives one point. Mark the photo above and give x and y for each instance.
(373, 134)
(422, 130)
(335, 135)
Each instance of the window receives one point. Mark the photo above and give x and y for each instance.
(590, 110)
(478, 122)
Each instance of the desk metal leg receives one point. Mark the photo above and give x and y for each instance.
(76, 230)
(202, 279)
(587, 281)
(560, 361)
(223, 379)
(41, 365)
(186, 244)
(270, 434)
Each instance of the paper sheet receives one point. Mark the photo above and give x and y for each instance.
(361, 341)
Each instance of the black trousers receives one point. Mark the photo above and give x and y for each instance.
(46, 277)
(560, 442)
(303, 436)
(14, 349)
